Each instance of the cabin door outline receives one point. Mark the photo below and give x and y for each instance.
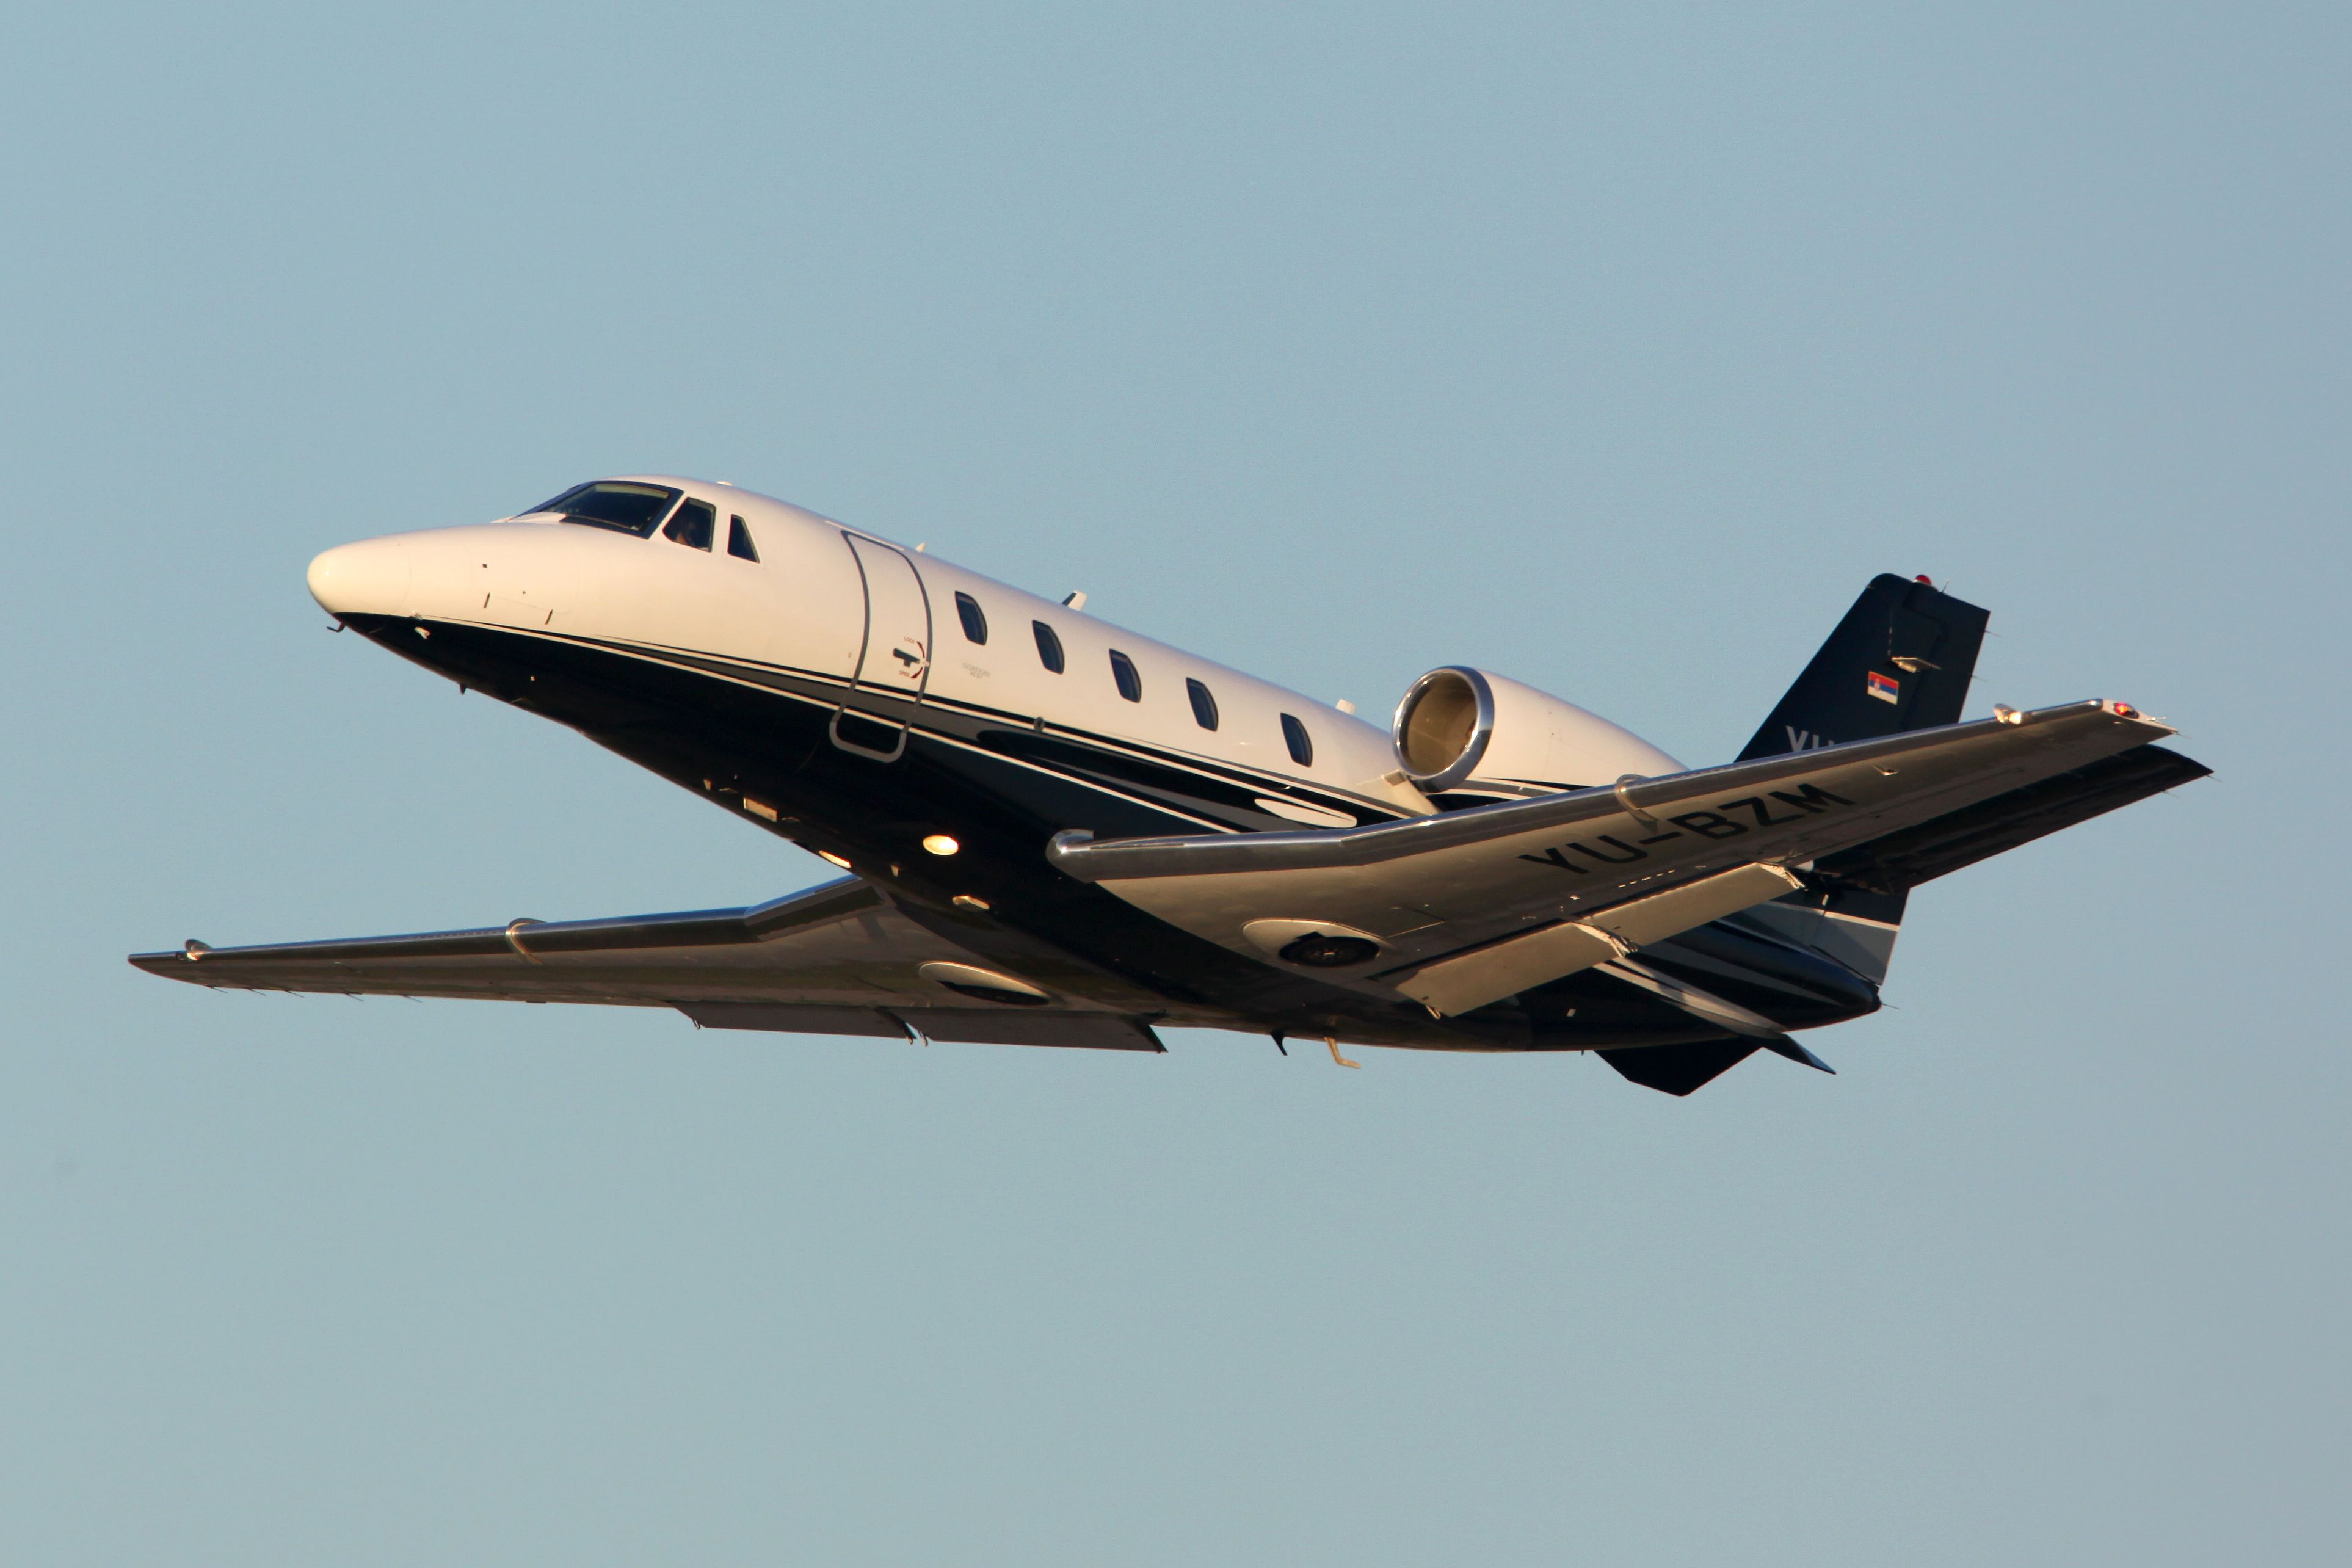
(894, 660)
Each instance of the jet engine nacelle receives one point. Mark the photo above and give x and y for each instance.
(1463, 729)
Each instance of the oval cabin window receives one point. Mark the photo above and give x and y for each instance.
(1204, 703)
(975, 621)
(1301, 744)
(1049, 647)
(1122, 671)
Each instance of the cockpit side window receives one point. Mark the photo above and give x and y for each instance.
(621, 505)
(695, 521)
(739, 539)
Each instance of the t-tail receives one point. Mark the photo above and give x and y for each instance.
(1901, 660)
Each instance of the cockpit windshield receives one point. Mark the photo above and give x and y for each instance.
(622, 505)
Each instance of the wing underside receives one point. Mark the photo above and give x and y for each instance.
(836, 960)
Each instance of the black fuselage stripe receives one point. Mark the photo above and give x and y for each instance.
(755, 675)
(1227, 772)
(692, 665)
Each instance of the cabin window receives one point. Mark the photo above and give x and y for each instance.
(1301, 744)
(1049, 647)
(695, 521)
(620, 505)
(1122, 670)
(739, 540)
(1204, 703)
(975, 622)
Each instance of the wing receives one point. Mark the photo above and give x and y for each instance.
(1467, 907)
(1906, 858)
(835, 960)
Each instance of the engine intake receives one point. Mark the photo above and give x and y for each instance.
(1461, 728)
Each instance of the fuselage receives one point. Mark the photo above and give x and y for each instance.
(865, 701)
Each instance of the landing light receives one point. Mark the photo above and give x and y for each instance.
(941, 844)
(840, 860)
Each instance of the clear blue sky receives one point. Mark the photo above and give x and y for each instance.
(1610, 349)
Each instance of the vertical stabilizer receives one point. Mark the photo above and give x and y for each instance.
(1901, 660)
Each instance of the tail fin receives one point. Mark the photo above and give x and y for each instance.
(1901, 660)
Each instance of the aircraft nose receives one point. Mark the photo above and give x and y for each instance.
(369, 578)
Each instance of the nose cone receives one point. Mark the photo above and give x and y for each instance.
(369, 578)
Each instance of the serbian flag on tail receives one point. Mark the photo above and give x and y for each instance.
(1885, 688)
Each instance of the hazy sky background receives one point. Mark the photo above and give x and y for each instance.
(1613, 349)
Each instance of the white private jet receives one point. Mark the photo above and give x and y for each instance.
(1059, 833)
